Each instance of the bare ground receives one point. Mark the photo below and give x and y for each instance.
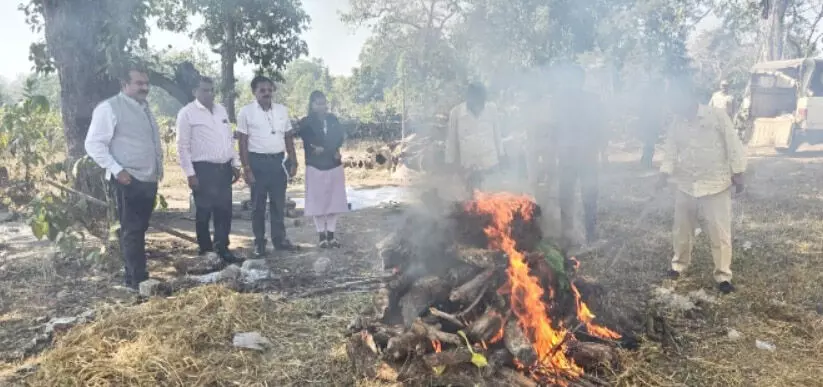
(778, 255)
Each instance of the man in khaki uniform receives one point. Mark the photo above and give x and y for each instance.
(704, 159)
(723, 100)
(474, 142)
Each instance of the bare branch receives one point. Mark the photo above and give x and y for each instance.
(813, 30)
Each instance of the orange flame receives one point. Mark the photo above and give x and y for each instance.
(586, 316)
(437, 346)
(525, 290)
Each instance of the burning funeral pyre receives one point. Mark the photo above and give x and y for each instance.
(480, 299)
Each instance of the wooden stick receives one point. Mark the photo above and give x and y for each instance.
(94, 200)
(448, 358)
(448, 317)
(470, 289)
(566, 338)
(476, 301)
(345, 286)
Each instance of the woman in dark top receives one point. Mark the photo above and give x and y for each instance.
(325, 180)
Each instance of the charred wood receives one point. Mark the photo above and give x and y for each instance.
(518, 343)
(470, 290)
(485, 327)
(424, 293)
(364, 356)
(447, 317)
(593, 355)
(448, 358)
(514, 378)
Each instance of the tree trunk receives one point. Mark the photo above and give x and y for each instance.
(228, 55)
(72, 30)
(774, 30)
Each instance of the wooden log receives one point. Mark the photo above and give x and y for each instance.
(382, 334)
(344, 286)
(518, 343)
(514, 378)
(399, 347)
(364, 357)
(483, 258)
(381, 301)
(592, 355)
(448, 358)
(485, 327)
(433, 333)
(425, 292)
(470, 290)
(447, 317)
(392, 251)
(497, 360)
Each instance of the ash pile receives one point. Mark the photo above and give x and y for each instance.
(480, 298)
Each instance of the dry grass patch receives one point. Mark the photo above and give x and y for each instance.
(187, 341)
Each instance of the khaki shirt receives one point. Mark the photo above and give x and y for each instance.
(474, 141)
(724, 102)
(702, 155)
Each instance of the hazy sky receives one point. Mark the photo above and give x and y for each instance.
(329, 39)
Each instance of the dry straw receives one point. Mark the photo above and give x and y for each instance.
(187, 341)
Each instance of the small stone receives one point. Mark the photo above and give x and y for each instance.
(747, 245)
(153, 287)
(253, 276)
(698, 231)
(250, 340)
(61, 324)
(765, 345)
(255, 264)
(231, 273)
(734, 335)
(321, 266)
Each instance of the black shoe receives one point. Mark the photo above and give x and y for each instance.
(323, 243)
(260, 251)
(725, 287)
(333, 243)
(228, 257)
(286, 245)
(673, 274)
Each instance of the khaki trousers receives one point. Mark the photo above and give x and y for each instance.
(716, 211)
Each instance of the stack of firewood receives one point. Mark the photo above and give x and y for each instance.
(448, 316)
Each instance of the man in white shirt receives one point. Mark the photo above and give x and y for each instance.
(124, 139)
(205, 148)
(264, 132)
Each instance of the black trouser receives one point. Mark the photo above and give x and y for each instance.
(135, 204)
(213, 197)
(269, 185)
(650, 139)
(572, 171)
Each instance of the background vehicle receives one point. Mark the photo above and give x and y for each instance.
(783, 105)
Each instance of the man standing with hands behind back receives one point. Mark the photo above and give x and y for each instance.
(124, 139)
(266, 139)
(704, 158)
(205, 148)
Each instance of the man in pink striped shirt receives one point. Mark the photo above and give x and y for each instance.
(205, 148)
